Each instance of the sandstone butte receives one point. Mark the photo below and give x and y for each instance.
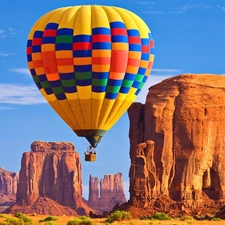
(8, 188)
(177, 145)
(107, 193)
(50, 181)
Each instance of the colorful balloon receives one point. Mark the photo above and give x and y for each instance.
(90, 63)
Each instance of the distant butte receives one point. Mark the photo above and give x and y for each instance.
(8, 188)
(107, 193)
(50, 176)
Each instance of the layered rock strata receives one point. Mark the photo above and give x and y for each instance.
(50, 171)
(107, 193)
(8, 188)
(177, 142)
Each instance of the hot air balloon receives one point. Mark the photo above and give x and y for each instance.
(90, 62)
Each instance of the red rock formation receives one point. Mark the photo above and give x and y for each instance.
(93, 197)
(8, 188)
(111, 192)
(52, 170)
(177, 142)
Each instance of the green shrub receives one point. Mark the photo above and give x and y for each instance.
(107, 223)
(3, 223)
(25, 219)
(184, 218)
(80, 222)
(12, 221)
(160, 216)
(216, 219)
(118, 216)
(145, 217)
(48, 218)
(151, 223)
(156, 216)
(85, 218)
(50, 223)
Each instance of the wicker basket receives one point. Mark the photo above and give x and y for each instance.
(90, 157)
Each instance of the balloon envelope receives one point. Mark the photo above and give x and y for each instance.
(90, 63)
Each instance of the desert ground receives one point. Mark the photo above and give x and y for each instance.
(63, 220)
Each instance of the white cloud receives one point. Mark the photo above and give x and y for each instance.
(6, 54)
(22, 70)
(165, 70)
(2, 33)
(152, 12)
(201, 7)
(20, 95)
(145, 3)
(177, 12)
(5, 108)
(8, 32)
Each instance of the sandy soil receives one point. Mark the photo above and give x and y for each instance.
(63, 220)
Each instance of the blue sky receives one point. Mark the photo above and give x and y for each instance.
(189, 38)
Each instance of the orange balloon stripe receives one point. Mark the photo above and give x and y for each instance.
(52, 76)
(38, 63)
(64, 54)
(101, 60)
(116, 76)
(64, 62)
(48, 55)
(50, 70)
(133, 62)
(119, 61)
(82, 61)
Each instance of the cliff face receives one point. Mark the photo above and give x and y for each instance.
(110, 194)
(177, 142)
(8, 188)
(51, 171)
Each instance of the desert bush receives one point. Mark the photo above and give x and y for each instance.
(25, 219)
(79, 221)
(184, 218)
(216, 219)
(160, 216)
(152, 223)
(50, 223)
(3, 223)
(118, 216)
(12, 221)
(156, 216)
(48, 218)
(2, 216)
